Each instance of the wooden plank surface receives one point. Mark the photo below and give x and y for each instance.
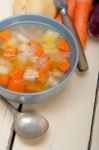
(70, 112)
(6, 118)
(95, 136)
(6, 121)
(5, 126)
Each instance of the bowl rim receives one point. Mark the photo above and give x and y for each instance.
(57, 23)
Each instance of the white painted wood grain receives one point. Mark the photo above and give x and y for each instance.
(5, 9)
(95, 140)
(69, 112)
(6, 120)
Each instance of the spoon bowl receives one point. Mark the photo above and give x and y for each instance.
(29, 125)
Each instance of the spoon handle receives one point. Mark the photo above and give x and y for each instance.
(10, 106)
(82, 62)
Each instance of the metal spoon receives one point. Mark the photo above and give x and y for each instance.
(62, 7)
(27, 125)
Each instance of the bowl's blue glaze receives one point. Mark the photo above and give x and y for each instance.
(44, 95)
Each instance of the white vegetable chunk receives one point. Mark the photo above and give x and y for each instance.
(4, 69)
(52, 81)
(24, 48)
(51, 32)
(30, 74)
(50, 36)
(57, 74)
(20, 37)
(42, 61)
(25, 52)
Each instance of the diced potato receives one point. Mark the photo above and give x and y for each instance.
(50, 47)
(24, 48)
(50, 36)
(30, 74)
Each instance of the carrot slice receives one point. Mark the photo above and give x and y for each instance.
(16, 85)
(63, 44)
(64, 65)
(43, 72)
(48, 65)
(42, 75)
(31, 87)
(82, 11)
(9, 52)
(17, 73)
(5, 34)
(4, 79)
(39, 51)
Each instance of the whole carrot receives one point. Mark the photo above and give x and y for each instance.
(82, 11)
(71, 8)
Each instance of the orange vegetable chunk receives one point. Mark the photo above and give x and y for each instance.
(39, 51)
(10, 51)
(31, 87)
(64, 65)
(81, 15)
(4, 79)
(16, 85)
(17, 73)
(63, 44)
(48, 65)
(42, 75)
(33, 43)
(5, 34)
(58, 18)
(71, 7)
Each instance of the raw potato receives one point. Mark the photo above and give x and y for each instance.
(42, 7)
(19, 7)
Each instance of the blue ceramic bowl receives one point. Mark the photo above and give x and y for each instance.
(43, 95)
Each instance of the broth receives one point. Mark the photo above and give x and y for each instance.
(32, 58)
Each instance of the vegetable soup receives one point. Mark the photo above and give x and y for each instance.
(33, 58)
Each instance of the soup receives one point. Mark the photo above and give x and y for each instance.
(33, 58)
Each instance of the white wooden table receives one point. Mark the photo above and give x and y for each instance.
(69, 113)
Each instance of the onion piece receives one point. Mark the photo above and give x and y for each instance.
(22, 38)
